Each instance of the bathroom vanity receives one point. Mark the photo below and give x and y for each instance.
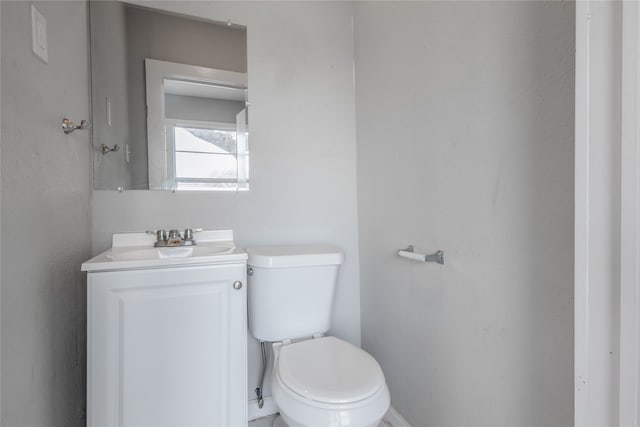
(167, 333)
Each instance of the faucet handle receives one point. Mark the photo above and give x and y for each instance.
(161, 235)
(188, 234)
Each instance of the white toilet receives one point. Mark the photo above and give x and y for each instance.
(317, 381)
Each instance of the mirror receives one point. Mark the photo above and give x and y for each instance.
(169, 99)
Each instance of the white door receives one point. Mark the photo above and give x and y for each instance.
(167, 347)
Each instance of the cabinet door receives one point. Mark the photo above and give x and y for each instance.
(167, 347)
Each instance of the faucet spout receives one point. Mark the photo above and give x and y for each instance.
(174, 238)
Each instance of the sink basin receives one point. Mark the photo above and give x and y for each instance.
(139, 254)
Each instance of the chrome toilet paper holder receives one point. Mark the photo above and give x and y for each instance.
(410, 253)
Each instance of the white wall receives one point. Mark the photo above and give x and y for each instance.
(465, 143)
(46, 187)
(303, 178)
(597, 283)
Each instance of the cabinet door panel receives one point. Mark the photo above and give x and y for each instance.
(164, 347)
(172, 366)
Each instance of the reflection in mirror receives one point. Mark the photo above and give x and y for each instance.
(171, 91)
(196, 125)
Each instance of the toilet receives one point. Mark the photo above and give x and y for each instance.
(317, 380)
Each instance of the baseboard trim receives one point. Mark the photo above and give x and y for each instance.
(269, 408)
(394, 418)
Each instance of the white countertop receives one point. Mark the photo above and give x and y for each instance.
(136, 251)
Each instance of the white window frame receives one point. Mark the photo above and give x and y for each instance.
(159, 153)
(170, 124)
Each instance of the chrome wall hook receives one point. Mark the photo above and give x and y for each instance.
(68, 126)
(106, 149)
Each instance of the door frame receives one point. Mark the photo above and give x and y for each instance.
(630, 217)
(607, 330)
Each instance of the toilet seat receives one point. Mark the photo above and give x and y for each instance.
(305, 400)
(329, 370)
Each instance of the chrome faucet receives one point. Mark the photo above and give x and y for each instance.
(174, 238)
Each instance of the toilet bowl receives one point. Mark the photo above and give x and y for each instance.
(327, 382)
(317, 381)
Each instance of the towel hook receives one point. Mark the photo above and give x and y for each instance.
(106, 149)
(68, 126)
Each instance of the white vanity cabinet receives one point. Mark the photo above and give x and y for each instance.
(167, 346)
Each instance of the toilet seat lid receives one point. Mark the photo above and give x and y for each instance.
(329, 370)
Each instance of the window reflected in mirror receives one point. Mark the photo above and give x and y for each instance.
(197, 127)
(206, 156)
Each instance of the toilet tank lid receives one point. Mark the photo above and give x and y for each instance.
(294, 256)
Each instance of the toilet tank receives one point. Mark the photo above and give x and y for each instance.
(290, 290)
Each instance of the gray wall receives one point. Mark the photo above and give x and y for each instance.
(465, 143)
(0, 226)
(303, 179)
(46, 188)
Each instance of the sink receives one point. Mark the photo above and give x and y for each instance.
(138, 254)
(136, 250)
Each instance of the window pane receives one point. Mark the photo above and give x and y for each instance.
(205, 140)
(205, 165)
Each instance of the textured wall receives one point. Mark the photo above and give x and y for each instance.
(465, 143)
(302, 143)
(46, 187)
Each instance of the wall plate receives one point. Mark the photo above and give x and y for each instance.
(39, 34)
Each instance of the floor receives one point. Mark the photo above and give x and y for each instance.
(263, 422)
(268, 421)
